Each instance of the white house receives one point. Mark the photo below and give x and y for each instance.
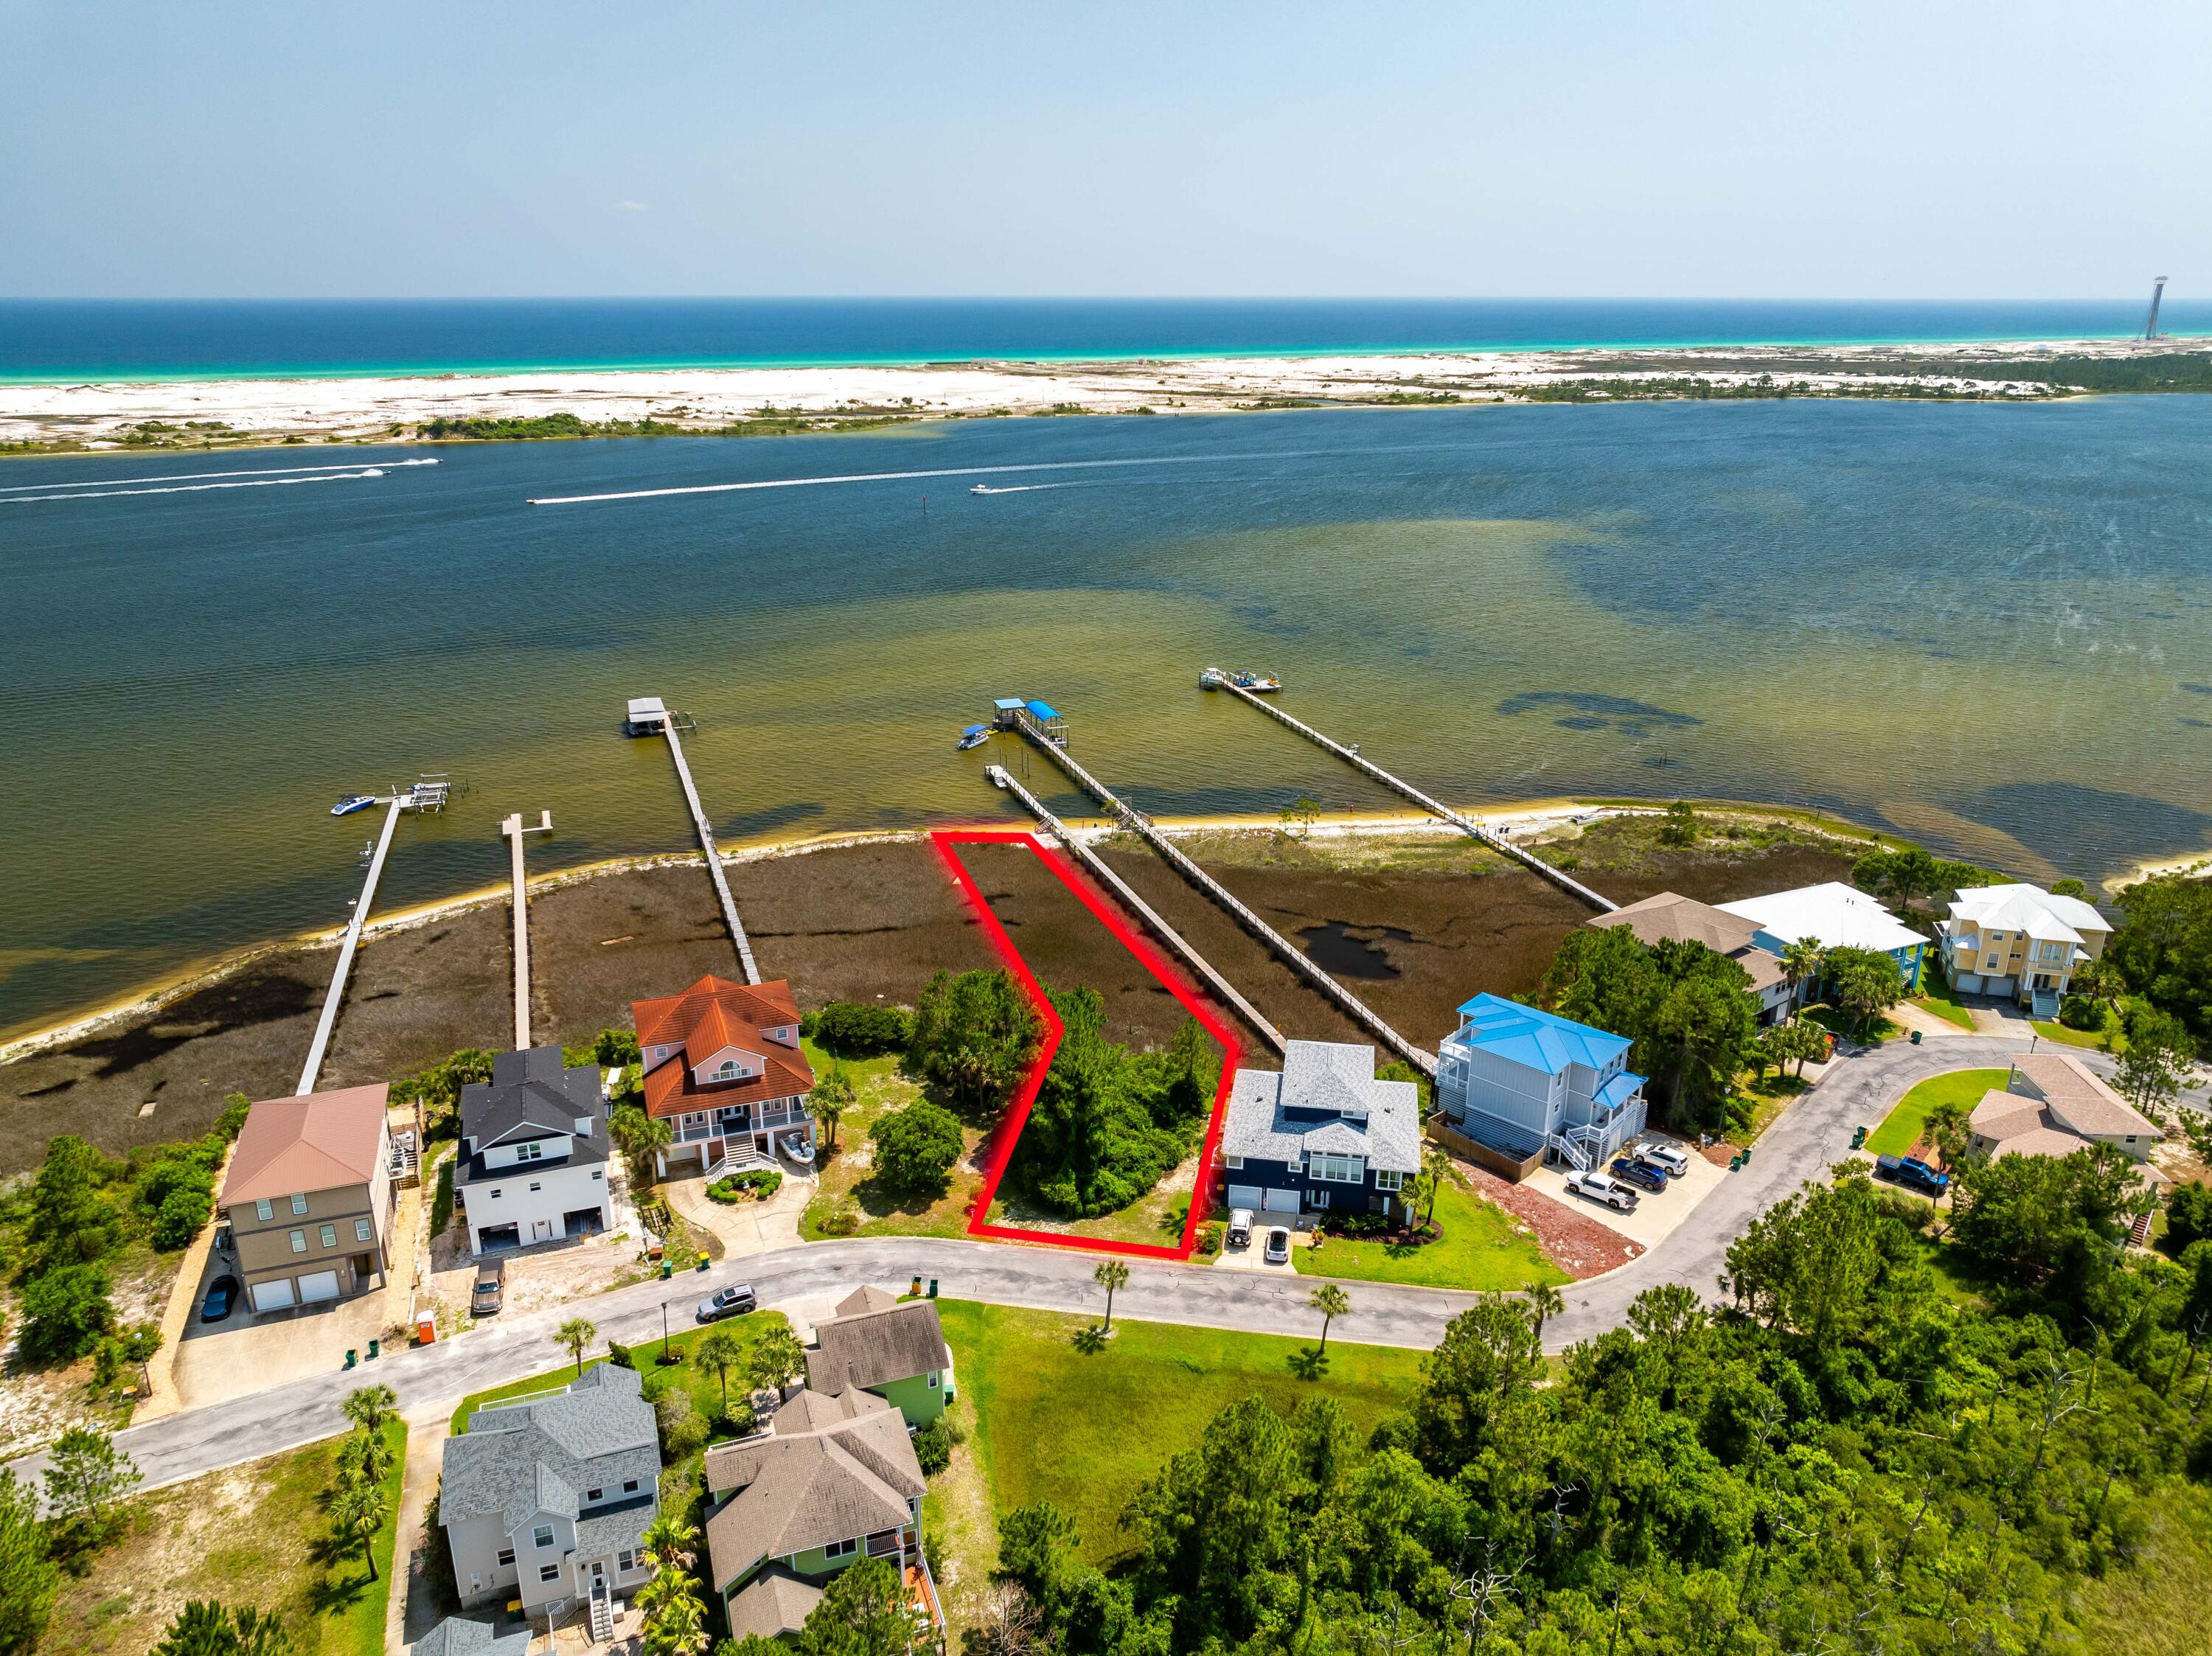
(1835, 916)
(533, 1161)
(2018, 941)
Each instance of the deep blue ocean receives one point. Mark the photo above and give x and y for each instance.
(70, 340)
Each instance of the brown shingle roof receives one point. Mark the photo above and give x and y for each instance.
(2002, 1115)
(877, 1346)
(2081, 1098)
(775, 1603)
(828, 1469)
(293, 1146)
(1669, 917)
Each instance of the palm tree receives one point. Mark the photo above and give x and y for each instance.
(1332, 1302)
(833, 1094)
(364, 1456)
(1110, 1274)
(370, 1407)
(670, 1541)
(1436, 1167)
(576, 1335)
(719, 1353)
(1799, 961)
(1544, 1300)
(359, 1510)
(777, 1356)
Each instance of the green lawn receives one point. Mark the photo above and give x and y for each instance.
(1935, 996)
(253, 1535)
(706, 1391)
(1480, 1248)
(1084, 1428)
(1844, 1024)
(1901, 1128)
(844, 1172)
(2093, 1040)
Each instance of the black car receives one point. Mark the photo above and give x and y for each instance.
(1642, 1175)
(222, 1299)
(726, 1303)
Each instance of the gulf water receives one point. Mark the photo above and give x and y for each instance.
(136, 339)
(1985, 626)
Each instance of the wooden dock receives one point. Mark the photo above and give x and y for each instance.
(325, 1025)
(1121, 887)
(1137, 823)
(512, 830)
(665, 725)
(1474, 830)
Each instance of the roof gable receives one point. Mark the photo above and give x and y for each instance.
(323, 1141)
(1536, 1039)
(877, 1346)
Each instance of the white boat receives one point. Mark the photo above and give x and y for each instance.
(1258, 683)
(352, 803)
(800, 1149)
(974, 736)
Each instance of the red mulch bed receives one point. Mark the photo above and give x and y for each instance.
(1578, 1245)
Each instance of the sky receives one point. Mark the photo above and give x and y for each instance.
(2024, 150)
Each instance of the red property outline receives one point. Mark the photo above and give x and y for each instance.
(1009, 1131)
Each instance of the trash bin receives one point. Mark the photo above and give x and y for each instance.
(666, 1271)
(375, 1350)
(352, 1356)
(701, 1265)
(933, 1287)
(426, 1329)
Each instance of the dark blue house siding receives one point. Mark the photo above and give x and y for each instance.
(1283, 1175)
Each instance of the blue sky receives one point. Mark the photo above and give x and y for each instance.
(2025, 150)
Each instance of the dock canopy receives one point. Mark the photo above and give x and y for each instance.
(1007, 704)
(972, 729)
(1041, 711)
(647, 710)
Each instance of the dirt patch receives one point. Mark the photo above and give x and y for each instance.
(1579, 1246)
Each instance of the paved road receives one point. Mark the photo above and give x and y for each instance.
(1811, 1135)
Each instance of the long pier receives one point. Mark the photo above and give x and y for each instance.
(1290, 954)
(1122, 889)
(328, 1022)
(1474, 830)
(665, 725)
(513, 831)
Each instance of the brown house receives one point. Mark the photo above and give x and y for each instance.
(310, 1197)
(722, 1066)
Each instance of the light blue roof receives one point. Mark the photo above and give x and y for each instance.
(1042, 711)
(1535, 1039)
(1619, 1090)
(972, 729)
(1007, 704)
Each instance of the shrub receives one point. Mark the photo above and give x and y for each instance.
(2081, 1012)
(1359, 1224)
(65, 1312)
(933, 1448)
(842, 1219)
(619, 1355)
(681, 1429)
(917, 1147)
(973, 1036)
(1209, 1238)
(759, 1183)
(738, 1420)
(2188, 1215)
(1913, 1212)
(856, 1031)
(183, 1212)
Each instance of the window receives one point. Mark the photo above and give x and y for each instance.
(542, 1536)
(507, 1557)
(298, 1205)
(1338, 1169)
(1991, 964)
(840, 1549)
(363, 1231)
(298, 1241)
(548, 1572)
(933, 1379)
(529, 1152)
(630, 1486)
(594, 1494)
(598, 1173)
(625, 1561)
(535, 1184)
(727, 1070)
(1387, 1179)
(1235, 1162)
(495, 1193)
(330, 1235)
(264, 1209)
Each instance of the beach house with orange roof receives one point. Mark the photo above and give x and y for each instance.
(723, 1067)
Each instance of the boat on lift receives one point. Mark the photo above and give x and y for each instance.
(974, 736)
(1258, 683)
(352, 803)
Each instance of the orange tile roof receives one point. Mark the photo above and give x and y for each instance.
(293, 1146)
(712, 1014)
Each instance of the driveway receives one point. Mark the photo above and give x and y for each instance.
(1808, 1138)
(245, 1353)
(744, 1228)
(1656, 1214)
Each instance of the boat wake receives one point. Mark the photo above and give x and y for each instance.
(356, 474)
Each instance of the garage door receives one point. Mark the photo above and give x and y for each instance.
(1997, 986)
(1280, 1201)
(1244, 1196)
(1970, 983)
(318, 1287)
(273, 1296)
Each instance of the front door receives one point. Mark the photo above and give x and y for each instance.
(541, 1230)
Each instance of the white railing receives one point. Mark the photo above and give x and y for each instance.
(738, 1158)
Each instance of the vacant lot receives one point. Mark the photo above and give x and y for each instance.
(1482, 1247)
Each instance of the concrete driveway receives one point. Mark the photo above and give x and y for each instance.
(1808, 1138)
(1656, 1215)
(245, 1353)
(745, 1227)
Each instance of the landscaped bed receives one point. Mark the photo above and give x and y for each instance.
(1478, 1246)
(1901, 1129)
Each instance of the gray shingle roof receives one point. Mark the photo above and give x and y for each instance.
(457, 1635)
(546, 1454)
(876, 1346)
(828, 1469)
(609, 1530)
(1326, 1098)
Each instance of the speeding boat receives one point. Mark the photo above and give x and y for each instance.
(982, 489)
(974, 736)
(799, 1149)
(352, 803)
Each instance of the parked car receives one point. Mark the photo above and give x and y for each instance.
(1642, 1175)
(1278, 1245)
(1596, 1187)
(726, 1303)
(1672, 1158)
(490, 1287)
(1913, 1173)
(222, 1299)
(1240, 1228)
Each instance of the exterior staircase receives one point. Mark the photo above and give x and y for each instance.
(603, 1615)
(738, 1158)
(1569, 1152)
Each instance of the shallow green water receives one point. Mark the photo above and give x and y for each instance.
(1986, 626)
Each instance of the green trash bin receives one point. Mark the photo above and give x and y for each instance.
(666, 1271)
(352, 1356)
(1916, 1037)
(375, 1348)
(702, 1263)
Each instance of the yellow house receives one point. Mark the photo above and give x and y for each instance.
(2019, 941)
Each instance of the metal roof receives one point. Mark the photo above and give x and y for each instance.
(1042, 710)
(1007, 704)
(1535, 1039)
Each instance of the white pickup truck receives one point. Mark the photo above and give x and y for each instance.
(1600, 1187)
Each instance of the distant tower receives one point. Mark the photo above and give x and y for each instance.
(2157, 293)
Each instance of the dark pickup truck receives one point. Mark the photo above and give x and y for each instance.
(1913, 1173)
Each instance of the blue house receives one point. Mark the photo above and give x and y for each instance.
(1323, 1134)
(1530, 1085)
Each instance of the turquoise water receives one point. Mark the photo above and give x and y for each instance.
(1985, 626)
(45, 341)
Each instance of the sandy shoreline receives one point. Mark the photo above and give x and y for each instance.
(366, 408)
